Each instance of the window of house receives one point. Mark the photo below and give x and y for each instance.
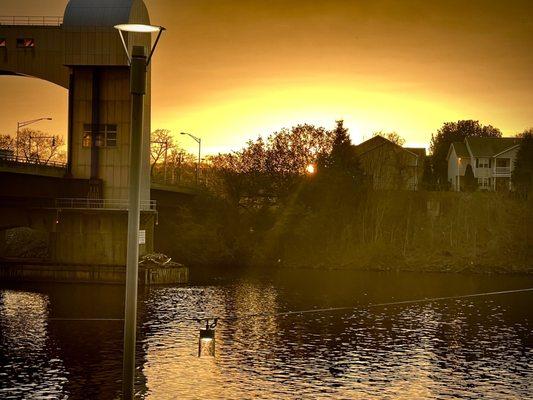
(503, 162)
(484, 183)
(105, 137)
(25, 42)
(483, 163)
(3, 42)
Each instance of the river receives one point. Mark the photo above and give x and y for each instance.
(65, 341)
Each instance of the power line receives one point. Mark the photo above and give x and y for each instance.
(322, 310)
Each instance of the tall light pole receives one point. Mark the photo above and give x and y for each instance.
(199, 141)
(138, 63)
(458, 174)
(22, 124)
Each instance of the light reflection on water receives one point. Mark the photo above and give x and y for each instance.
(454, 349)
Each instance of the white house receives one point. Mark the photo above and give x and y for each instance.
(491, 160)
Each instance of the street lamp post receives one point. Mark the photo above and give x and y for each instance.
(199, 141)
(23, 124)
(138, 63)
(458, 183)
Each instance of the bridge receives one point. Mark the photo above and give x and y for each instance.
(82, 204)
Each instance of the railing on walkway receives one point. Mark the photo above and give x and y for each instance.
(108, 204)
(33, 161)
(31, 20)
(502, 170)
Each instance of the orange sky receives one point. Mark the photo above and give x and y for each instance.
(229, 70)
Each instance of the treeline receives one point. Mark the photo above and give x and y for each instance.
(263, 207)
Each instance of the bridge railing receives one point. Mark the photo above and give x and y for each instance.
(31, 20)
(109, 204)
(23, 160)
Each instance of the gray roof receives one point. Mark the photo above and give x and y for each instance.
(104, 13)
(460, 149)
(488, 147)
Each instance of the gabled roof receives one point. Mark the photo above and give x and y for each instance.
(419, 151)
(489, 147)
(370, 144)
(378, 141)
(460, 149)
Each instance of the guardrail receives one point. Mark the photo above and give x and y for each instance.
(31, 20)
(24, 160)
(502, 170)
(108, 204)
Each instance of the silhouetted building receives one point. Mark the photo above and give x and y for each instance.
(390, 166)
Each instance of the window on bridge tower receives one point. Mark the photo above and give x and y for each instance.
(25, 42)
(106, 136)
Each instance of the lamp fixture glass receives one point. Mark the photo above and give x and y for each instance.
(140, 28)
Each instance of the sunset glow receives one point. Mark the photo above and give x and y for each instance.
(234, 70)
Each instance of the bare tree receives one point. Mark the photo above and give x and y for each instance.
(161, 142)
(40, 147)
(392, 136)
(7, 143)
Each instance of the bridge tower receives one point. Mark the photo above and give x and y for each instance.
(83, 53)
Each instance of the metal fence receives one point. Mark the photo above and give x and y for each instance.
(31, 20)
(33, 161)
(108, 204)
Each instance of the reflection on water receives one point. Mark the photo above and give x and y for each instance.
(465, 348)
(29, 365)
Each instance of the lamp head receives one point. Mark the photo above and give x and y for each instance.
(139, 28)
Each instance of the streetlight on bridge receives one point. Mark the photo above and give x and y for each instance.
(22, 125)
(199, 141)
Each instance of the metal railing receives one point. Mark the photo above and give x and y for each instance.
(502, 170)
(108, 204)
(31, 20)
(11, 158)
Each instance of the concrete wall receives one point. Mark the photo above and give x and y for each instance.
(89, 237)
(96, 237)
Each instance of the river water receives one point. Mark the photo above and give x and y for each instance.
(52, 347)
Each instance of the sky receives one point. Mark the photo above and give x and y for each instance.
(230, 70)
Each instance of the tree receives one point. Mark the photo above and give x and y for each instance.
(454, 132)
(40, 147)
(7, 143)
(522, 177)
(341, 158)
(270, 167)
(470, 184)
(392, 136)
(160, 144)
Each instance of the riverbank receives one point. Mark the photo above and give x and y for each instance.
(411, 231)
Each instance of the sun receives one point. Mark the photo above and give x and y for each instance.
(310, 169)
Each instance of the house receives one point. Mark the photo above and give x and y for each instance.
(389, 165)
(491, 161)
